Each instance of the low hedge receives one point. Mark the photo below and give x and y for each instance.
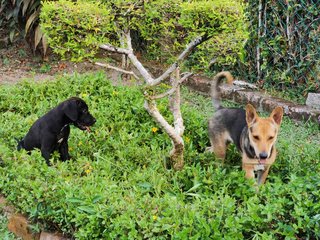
(116, 187)
(160, 29)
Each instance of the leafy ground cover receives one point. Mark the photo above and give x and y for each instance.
(116, 185)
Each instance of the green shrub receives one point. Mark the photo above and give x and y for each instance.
(75, 30)
(115, 186)
(160, 29)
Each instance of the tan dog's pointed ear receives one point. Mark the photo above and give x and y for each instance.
(251, 114)
(277, 114)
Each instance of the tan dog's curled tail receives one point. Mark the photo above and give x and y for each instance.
(215, 87)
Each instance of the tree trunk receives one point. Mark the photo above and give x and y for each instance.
(176, 154)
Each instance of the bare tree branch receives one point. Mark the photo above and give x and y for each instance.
(114, 49)
(175, 103)
(117, 69)
(182, 56)
(173, 89)
(152, 109)
(129, 41)
(144, 72)
(186, 75)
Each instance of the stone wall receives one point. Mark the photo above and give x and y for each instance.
(262, 101)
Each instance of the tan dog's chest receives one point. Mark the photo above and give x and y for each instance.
(251, 166)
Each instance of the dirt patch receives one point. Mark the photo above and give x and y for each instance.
(18, 62)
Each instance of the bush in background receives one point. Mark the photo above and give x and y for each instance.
(160, 29)
(75, 30)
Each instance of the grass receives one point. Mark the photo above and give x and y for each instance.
(116, 186)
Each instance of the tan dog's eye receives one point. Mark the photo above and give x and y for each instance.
(256, 138)
(270, 138)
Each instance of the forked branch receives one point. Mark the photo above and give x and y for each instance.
(175, 132)
(143, 71)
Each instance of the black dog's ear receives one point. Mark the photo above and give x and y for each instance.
(70, 109)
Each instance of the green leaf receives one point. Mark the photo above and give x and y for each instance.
(31, 21)
(87, 209)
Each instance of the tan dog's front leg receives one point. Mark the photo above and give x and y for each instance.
(264, 175)
(249, 169)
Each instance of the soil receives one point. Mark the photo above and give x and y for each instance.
(19, 62)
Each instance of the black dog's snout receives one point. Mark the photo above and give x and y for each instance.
(263, 155)
(91, 121)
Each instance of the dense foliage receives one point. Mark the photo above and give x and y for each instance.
(286, 34)
(75, 30)
(116, 187)
(160, 29)
(21, 18)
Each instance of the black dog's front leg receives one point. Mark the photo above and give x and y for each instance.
(47, 148)
(46, 154)
(63, 150)
(63, 146)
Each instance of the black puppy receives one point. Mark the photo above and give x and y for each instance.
(51, 131)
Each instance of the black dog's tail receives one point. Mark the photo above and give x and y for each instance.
(215, 87)
(20, 143)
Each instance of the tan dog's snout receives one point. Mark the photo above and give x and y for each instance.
(263, 155)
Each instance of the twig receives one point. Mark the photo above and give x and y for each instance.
(182, 56)
(173, 89)
(118, 69)
(112, 48)
(135, 61)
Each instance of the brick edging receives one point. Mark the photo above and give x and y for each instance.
(261, 101)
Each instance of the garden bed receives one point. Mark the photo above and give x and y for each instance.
(116, 185)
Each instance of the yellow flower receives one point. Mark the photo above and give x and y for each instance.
(154, 217)
(80, 143)
(187, 139)
(114, 93)
(87, 168)
(84, 95)
(154, 129)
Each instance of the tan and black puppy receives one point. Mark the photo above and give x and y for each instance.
(254, 136)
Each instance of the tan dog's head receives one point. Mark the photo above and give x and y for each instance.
(263, 131)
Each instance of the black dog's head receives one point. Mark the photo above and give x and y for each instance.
(77, 111)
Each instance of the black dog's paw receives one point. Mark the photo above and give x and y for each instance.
(49, 163)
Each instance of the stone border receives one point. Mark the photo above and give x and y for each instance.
(19, 225)
(261, 101)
